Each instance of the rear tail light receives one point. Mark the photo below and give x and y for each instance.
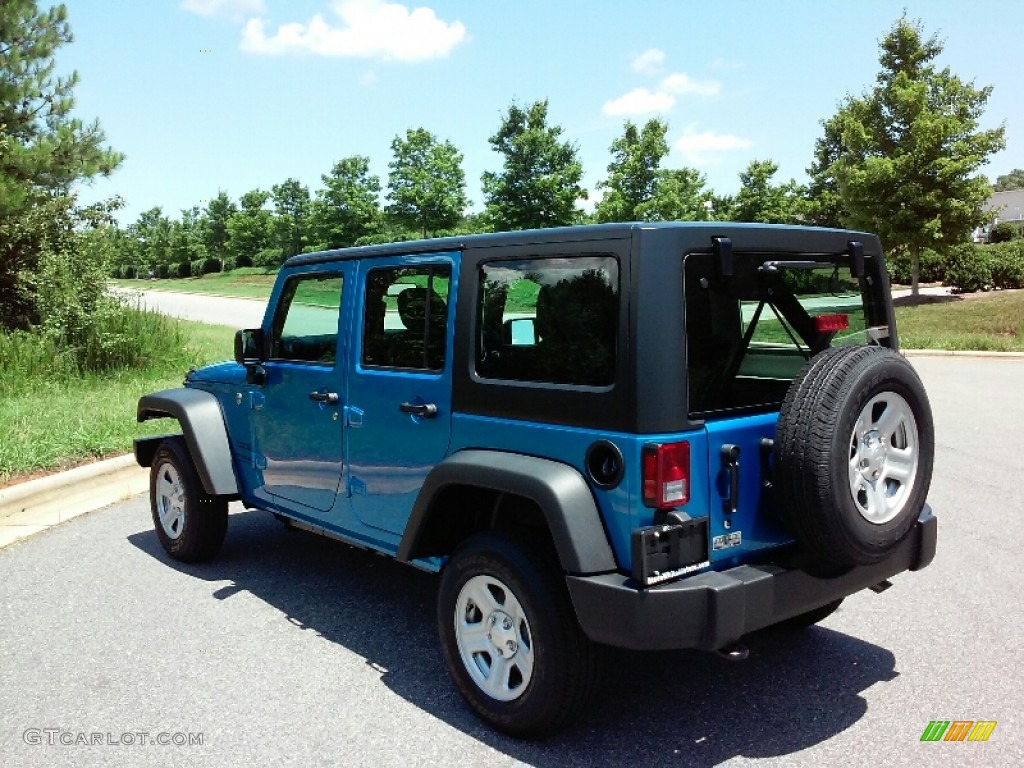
(825, 323)
(666, 474)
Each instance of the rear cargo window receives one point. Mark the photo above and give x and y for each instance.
(749, 334)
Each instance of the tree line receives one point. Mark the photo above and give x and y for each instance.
(902, 159)
(425, 196)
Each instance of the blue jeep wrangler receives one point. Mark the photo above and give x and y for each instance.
(647, 436)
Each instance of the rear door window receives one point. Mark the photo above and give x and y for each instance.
(749, 335)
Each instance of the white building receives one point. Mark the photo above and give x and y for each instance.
(1004, 206)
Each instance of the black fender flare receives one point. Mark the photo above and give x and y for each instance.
(559, 490)
(206, 435)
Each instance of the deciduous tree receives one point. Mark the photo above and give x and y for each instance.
(348, 206)
(680, 194)
(633, 172)
(250, 229)
(539, 184)
(762, 201)
(215, 224)
(1012, 180)
(291, 206)
(905, 156)
(426, 185)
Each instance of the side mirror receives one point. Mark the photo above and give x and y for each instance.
(249, 346)
(519, 332)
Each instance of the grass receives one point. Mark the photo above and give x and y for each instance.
(243, 283)
(977, 322)
(54, 422)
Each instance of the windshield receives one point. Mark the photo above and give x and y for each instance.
(749, 334)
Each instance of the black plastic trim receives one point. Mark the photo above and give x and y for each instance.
(559, 491)
(713, 609)
(615, 454)
(202, 423)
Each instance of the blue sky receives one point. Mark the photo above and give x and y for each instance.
(204, 95)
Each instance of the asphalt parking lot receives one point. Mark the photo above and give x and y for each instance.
(294, 650)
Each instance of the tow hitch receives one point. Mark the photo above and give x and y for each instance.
(734, 652)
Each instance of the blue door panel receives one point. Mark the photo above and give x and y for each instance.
(297, 455)
(755, 518)
(389, 452)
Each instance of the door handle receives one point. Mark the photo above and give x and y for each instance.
(731, 464)
(330, 398)
(423, 410)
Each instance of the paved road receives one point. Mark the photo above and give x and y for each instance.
(293, 650)
(221, 310)
(217, 310)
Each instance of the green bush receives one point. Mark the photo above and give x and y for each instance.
(1003, 232)
(229, 264)
(268, 257)
(182, 269)
(129, 272)
(211, 266)
(969, 268)
(196, 268)
(932, 266)
(1007, 264)
(163, 271)
(244, 260)
(116, 336)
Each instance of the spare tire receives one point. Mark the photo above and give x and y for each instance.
(854, 448)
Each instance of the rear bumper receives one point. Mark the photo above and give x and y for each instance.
(713, 609)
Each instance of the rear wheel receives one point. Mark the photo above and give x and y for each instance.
(189, 522)
(510, 637)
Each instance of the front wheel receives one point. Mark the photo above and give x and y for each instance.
(510, 637)
(189, 522)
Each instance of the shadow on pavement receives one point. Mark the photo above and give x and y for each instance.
(927, 298)
(679, 707)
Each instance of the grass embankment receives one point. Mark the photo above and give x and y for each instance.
(977, 322)
(53, 417)
(244, 283)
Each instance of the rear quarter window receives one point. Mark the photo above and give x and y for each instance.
(548, 320)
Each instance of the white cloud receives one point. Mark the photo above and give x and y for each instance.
(235, 9)
(697, 147)
(650, 62)
(680, 82)
(639, 101)
(369, 29)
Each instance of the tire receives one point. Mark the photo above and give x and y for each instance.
(804, 620)
(503, 598)
(854, 447)
(189, 523)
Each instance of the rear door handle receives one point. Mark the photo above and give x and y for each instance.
(330, 398)
(731, 464)
(423, 410)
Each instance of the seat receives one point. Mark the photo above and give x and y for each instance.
(423, 312)
(576, 331)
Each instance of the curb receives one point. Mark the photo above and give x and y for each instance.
(28, 508)
(962, 353)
